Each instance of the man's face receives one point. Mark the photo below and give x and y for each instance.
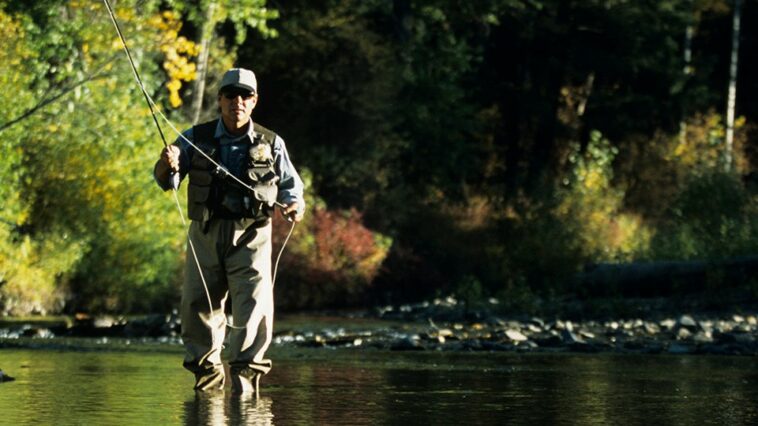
(237, 104)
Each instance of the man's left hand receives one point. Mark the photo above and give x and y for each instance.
(291, 212)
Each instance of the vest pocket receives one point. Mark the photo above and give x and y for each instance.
(200, 193)
(200, 177)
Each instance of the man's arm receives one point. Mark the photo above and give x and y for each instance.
(290, 185)
(175, 158)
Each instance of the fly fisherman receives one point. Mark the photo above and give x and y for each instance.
(230, 234)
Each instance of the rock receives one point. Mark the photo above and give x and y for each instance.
(533, 328)
(104, 321)
(667, 324)
(651, 328)
(516, 335)
(5, 378)
(687, 321)
(744, 327)
(445, 332)
(569, 337)
(683, 334)
(538, 322)
(703, 337)
(38, 333)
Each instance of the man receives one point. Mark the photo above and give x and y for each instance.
(230, 234)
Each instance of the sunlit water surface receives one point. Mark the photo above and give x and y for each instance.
(333, 387)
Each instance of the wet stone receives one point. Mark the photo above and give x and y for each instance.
(516, 336)
(683, 334)
(569, 337)
(39, 333)
(667, 324)
(652, 328)
(533, 328)
(537, 321)
(687, 321)
(703, 337)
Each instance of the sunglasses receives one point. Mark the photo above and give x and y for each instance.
(244, 94)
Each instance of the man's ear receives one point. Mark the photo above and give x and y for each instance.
(255, 103)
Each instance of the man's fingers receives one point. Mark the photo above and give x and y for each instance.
(170, 155)
(290, 212)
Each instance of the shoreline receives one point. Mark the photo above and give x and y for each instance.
(440, 325)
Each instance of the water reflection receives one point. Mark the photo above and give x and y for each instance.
(367, 388)
(224, 408)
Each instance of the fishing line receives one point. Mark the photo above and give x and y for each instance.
(134, 69)
(153, 110)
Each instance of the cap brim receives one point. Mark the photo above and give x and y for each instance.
(238, 86)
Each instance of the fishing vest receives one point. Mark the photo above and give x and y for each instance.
(213, 193)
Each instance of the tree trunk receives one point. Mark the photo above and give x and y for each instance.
(687, 71)
(206, 36)
(728, 157)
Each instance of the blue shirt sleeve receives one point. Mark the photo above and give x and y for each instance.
(290, 184)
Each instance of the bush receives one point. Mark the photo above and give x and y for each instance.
(714, 217)
(330, 261)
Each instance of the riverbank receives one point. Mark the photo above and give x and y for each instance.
(438, 325)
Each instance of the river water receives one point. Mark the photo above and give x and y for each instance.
(363, 387)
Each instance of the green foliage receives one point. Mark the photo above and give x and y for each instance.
(714, 217)
(82, 223)
(478, 148)
(242, 14)
(591, 206)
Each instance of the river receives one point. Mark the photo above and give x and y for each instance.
(142, 385)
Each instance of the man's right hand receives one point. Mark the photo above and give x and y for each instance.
(170, 155)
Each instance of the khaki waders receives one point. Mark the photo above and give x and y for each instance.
(235, 259)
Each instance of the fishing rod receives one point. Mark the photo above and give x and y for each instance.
(173, 176)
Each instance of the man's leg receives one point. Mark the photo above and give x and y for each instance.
(203, 328)
(251, 292)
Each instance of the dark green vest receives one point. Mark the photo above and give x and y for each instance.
(211, 193)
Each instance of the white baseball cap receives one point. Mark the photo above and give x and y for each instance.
(239, 77)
